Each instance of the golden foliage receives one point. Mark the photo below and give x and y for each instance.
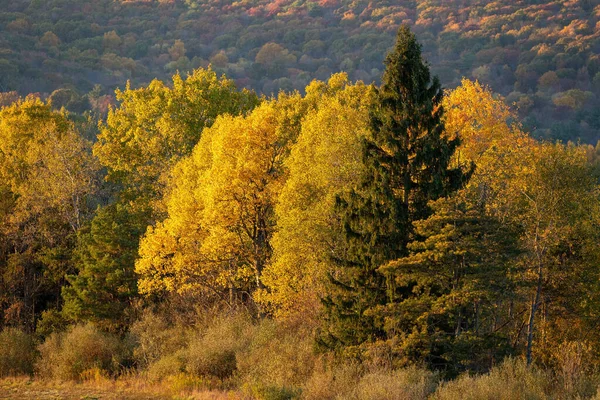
(46, 169)
(220, 209)
(325, 160)
(155, 126)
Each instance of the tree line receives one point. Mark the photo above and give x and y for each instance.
(402, 224)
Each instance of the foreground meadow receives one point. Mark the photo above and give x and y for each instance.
(236, 357)
(24, 387)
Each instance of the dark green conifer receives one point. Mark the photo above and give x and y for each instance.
(407, 165)
(457, 273)
(106, 285)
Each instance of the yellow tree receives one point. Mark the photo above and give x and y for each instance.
(546, 192)
(154, 126)
(48, 178)
(491, 138)
(216, 239)
(557, 207)
(325, 160)
(150, 131)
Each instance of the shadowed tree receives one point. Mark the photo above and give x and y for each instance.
(406, 165)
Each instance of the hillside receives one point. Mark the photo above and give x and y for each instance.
(541, 55)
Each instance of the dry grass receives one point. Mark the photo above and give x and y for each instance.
(26, 388)
(214, 351)
(102, 389)
(512, 380)
(231, 357)
(409, 383)
(277, 362)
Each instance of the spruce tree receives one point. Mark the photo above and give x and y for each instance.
(106, 286)
(458, 274)
(407, 165)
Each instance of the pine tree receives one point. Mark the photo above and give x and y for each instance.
(106, 285)
(458, 274)
(407, 164)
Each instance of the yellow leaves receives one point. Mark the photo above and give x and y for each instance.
(155, 126)
(480, 120)
(220, 208)
(325, 160)
(246, 159)
(546, 190)
(44, 163)
(490, 138)
(224, 200)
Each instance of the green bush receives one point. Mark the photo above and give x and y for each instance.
(17, 351)
(68, 355)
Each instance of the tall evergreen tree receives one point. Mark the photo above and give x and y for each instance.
(106, 286)
(407, 165)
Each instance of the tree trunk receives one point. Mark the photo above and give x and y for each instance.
(534, 306)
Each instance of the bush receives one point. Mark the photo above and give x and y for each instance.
(68, 355)
(154, 339)
(277, 362)
(575, 370)
(167, 366)
(17, 352)
(275, 393)
(184, 382)
(409, 383)
(511, 380)
(330, 383)
(347, 381)
(214, 351)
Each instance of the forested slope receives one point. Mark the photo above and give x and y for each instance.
(541, 55)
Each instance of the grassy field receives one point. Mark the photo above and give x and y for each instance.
(135, 389)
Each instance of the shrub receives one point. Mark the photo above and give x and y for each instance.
(262, 392)
(409, 383)
(214, 351)
(277, 362)
(330, 383)
(575, 369)
(17, 352)
(184, 382)
(167, 366)
(511, 380)
(154, 339)
(68, 355)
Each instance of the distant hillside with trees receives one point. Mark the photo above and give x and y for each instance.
(541, 55)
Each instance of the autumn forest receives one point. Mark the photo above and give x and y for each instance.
(300, 200)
